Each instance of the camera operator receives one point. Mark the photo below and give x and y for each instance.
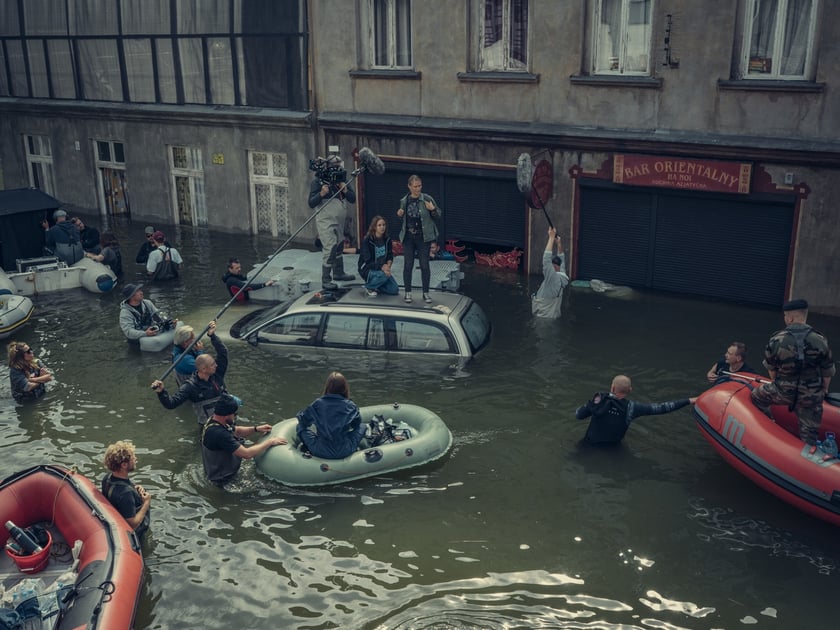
(139, 317)
(330, 193)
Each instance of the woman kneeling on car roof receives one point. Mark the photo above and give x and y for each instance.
(375, 258)
(337, 422)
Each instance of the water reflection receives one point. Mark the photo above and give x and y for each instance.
(518, 527)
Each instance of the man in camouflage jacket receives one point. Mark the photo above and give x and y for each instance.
(800, 365)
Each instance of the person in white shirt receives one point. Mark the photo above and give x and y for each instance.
(157, 255)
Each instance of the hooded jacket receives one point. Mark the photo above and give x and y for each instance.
(331, 427)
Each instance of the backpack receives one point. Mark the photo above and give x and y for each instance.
(166, 269)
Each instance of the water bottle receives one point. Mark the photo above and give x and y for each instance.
(829, 445)
(26, 542)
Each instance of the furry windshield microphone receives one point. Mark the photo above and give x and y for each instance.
(524, 172)
(370, 162)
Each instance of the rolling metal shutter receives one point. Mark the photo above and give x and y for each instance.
(729, 247)
(479, 205)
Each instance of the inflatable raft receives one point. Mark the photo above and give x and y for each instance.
(110, 565)
(41, 275)
(771, 454)
(161, 341)
(429, 440)
(15, 310)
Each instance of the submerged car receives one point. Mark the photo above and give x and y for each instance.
(453, 324)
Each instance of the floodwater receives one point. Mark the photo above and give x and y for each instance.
(518, 527)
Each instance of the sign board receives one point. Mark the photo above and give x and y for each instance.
(683, 173)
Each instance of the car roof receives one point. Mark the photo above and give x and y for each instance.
(442, 301)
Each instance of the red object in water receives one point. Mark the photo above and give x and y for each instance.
(771, 454)
(34, 562)
(504, 260)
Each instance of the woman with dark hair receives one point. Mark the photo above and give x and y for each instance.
(375, 258)
(331, 427)
(110, 253)
(26, 374)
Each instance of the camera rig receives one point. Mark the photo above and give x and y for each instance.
(328, 171)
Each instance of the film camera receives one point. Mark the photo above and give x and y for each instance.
(328, 171)
(163, 322)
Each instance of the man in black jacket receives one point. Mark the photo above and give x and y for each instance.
(205, 386)
(234, 281)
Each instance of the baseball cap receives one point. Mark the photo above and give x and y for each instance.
(149, 229)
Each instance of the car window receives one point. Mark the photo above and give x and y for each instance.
(476, 326)
(299, 329)
(346, 330)
(422, 337)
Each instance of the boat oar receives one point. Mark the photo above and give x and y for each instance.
(369, 163)
(754, 379)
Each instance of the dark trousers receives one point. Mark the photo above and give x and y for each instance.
(415, 245)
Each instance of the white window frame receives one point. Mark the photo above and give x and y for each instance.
(497, 57)
(113, 164)
(391, 35)
(280, 223)
(39, 157)
(606, 64)
(764, 68)
(194, 173)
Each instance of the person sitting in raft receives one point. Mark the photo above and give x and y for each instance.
(62, 239)
(131, 500)
(734, 360)
(185, 367)
(612, 412)
(138, 317)
(89, 236)
(27, 375)
(205, 386)
(234, 281)
(222, 449)
(331, 427)
(108, 253)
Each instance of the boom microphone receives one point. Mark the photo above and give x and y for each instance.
(370, 162)
(524, 173)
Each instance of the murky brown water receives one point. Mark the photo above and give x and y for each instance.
(518, 527)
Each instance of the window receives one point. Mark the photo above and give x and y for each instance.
(346, 330)
(269, 176)
(187, 170)
(779, 39)
(421, 337)
(391, 34)
(299, 330)
(504, 36)
(111, 177)
(622, 37)
(39, 159)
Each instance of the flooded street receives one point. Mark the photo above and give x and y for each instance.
(518, 527)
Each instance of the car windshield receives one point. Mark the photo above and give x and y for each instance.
(476, 326)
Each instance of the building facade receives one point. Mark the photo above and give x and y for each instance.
(676, 145)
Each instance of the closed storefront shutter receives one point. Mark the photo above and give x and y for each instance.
(479, 206)
(723, 246)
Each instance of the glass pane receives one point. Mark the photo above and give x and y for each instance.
(260, 163)
(149, 17)
(519, 34)
(346, 330)
(763, 36)
(103, 151)
(119, 156)
(608, 37)
(138, 67)
(637, 55)
(100, 70)
(376, 334)
(61, 69)
(192, 70)
(14, 52)
(295, 329)
(403, 32)
(166, 71)
(797, 38)
(380, 33)
(220, 64)
(38, 69)
(280, 164)
(179, 157)
(420, 337)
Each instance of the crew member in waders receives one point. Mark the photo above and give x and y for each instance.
(612, 412)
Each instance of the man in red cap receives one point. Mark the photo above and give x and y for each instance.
(800, 366)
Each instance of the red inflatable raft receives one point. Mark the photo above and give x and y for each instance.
(110, 571)
(771, 454)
